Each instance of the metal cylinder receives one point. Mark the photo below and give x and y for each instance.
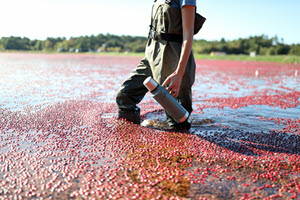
(167, 101)
(150, 84)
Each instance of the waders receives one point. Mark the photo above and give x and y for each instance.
(162, 55)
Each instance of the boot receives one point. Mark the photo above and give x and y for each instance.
(180, 127)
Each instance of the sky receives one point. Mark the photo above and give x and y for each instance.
(229, 19)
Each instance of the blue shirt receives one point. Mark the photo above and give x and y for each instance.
(183, 3)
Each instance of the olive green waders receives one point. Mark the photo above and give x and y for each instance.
(161, 59)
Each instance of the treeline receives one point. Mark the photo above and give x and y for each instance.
(101, 42)
(260, 45)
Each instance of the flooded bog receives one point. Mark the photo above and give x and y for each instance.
(60, 139)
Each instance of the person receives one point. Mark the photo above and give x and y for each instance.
(168, 59)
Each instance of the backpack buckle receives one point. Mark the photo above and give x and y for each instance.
(153, 34)
(168, 1)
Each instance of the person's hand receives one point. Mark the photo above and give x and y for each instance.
(173, 84)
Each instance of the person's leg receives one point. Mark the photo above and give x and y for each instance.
(185, 96)
(132, 92)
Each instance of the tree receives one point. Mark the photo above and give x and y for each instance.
(295, 50)
(262, 44)
(15, 43)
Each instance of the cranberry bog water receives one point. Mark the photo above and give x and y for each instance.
(60, 137)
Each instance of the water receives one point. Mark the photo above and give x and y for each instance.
(59, 133)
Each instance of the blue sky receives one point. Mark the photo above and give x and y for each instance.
(229, 19)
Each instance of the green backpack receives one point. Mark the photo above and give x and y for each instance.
(199, 19)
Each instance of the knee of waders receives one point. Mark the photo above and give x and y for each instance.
(123, 100)
(127, 109)
(119, 97)
(130, 115)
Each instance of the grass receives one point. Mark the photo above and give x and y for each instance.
(278, 58)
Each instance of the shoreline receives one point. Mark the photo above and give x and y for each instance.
(286, 59)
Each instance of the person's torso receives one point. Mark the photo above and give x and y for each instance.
(166, 16)
(164, 56)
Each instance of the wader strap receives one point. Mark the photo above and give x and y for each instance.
(169, 37)
(153, 17)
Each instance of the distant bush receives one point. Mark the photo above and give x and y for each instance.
(15, 43)
(295, 50)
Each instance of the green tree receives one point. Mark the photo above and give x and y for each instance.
(15, 43)
(295, 50)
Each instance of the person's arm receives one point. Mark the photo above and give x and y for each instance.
(173, 82)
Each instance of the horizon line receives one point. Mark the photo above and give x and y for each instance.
(281, 39)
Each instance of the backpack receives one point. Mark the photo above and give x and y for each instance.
(199, 19)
